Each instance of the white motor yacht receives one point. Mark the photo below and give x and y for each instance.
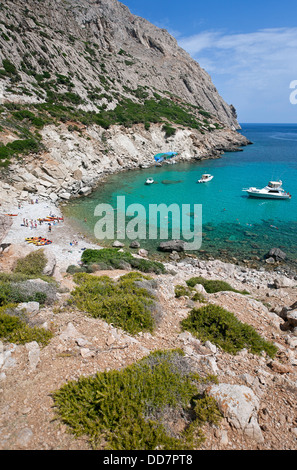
(205, 178)
(149, 181)
(273, 190)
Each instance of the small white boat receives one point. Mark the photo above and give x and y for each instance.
(205, 178)
(149, 181)
(273, 190)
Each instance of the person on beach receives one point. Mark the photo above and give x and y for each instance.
(49, 227)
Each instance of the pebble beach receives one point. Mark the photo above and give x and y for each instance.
(67, 245)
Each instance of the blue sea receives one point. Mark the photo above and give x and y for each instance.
(234, 227)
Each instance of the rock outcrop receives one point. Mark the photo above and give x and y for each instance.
(99, 45)
(75, 59)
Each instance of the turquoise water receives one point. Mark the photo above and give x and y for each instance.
(234, 226)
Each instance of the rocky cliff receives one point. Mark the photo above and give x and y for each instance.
(89, 89)
(99, 47)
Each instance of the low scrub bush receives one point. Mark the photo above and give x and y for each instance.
(122, 302)
(112, 258)
(212, 286)
(31, 265)
(221, 327)
(12, 293)
(15, 329)
(183, 291)
(169, 130)
(18, 287)
(17, 147)
(135, 408)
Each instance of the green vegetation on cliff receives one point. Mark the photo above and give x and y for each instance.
(135, 408)
(221, 327)
(127, 303)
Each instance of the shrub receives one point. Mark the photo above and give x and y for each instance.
(129, 408)
(13, 293)
(112, 258)
(72, 269)
(9, 67)
(15, 329)
(121, 302)
(31, 265)
(148, 266)
(106, 255)
(212, 286)
(182, 291)
(169, 130)
(214, 323)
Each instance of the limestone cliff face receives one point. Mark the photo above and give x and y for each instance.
(76, 161)
(70, 60)
(102, 46)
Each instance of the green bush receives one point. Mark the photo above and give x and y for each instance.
(221, 327)
(28, 115)
(212, 286)
(169, 130)
(31, 265)
(18, 147)
(11, 293)
(129, 408)
(15, 329)
(105, 255)
(115, 259)
(72, 269)
(9, 67)
(122, 303)
(182, 291)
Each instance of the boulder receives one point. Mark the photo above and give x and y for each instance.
(292, 318)
(50, 265)
(285, 282)
(240, 406)
(32, 308)
(276, 254)
(65, 195)
(117, 244)
(172, 245)
(85, 191)
(33, 354)
(134, 244)
(143, 252)
(53, 197)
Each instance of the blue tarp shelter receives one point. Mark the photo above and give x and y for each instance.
(160, 156)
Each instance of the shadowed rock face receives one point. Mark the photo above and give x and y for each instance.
(5, 224)
(100, 42)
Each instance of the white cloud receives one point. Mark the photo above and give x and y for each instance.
(257, 66)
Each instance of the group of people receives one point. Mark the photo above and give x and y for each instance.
(31, 223)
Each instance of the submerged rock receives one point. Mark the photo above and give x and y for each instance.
(277, 254)
(172, 245)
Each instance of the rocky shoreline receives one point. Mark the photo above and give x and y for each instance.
(263, 388)
(256, 394)
(75, 162)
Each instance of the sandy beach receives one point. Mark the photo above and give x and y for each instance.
(62, 234)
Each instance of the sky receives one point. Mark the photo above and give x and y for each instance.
(248, 48)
